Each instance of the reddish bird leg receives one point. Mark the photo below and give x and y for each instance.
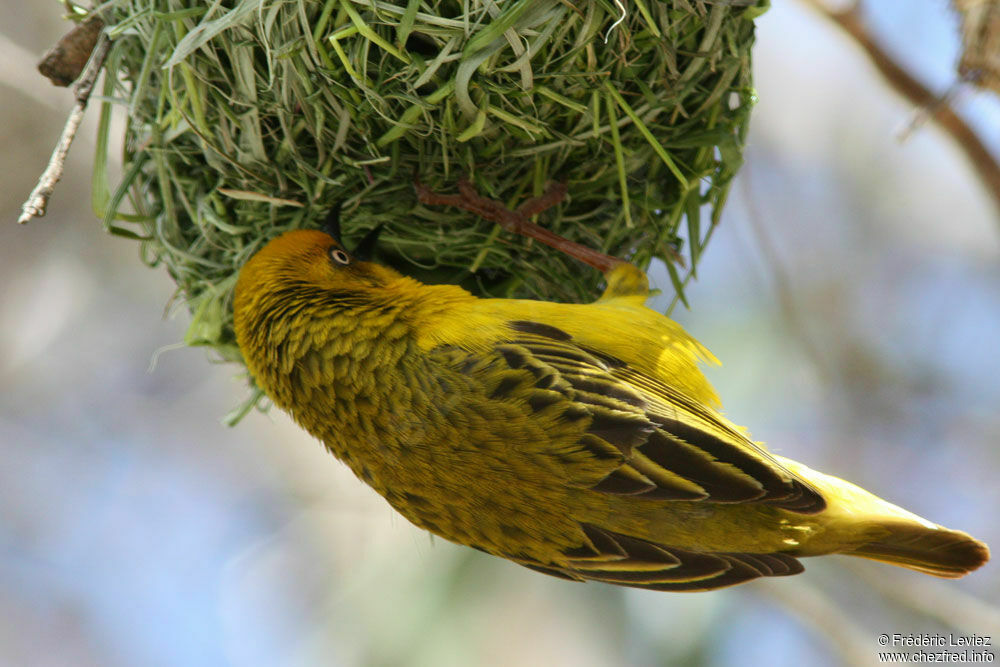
(517, 221)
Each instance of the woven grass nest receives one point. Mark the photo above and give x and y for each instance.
(246, 118)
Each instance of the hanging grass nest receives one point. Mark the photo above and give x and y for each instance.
(247, 118)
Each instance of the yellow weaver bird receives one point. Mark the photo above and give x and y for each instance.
(580, 440)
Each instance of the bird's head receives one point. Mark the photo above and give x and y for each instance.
(307, 274)
(312, 260)
(304, 289)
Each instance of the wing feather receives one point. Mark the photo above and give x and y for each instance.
(672, 447)
(615, 558)
(654, 442)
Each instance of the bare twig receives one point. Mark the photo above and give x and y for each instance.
(34, 207)
(904, 83)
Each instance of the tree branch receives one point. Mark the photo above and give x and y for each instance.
(904, 83)
(34, 207)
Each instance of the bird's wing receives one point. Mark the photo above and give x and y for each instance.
(664, 444)
(635, 435)
(614, 558)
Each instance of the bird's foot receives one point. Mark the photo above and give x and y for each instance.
(517, 220)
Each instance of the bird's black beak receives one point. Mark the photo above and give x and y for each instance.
(366, 246)
(332, 223)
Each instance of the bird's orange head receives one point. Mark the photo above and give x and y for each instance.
(301, 276)
(308, 259)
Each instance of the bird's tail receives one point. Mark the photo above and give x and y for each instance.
(938, 550)
(859, 523)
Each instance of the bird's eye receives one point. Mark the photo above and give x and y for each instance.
(339, 256)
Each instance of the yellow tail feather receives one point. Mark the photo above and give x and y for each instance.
(938, 551)
(859, 523)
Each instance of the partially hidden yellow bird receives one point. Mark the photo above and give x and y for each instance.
(580, 440)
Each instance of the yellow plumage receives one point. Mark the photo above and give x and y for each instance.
(577, 439)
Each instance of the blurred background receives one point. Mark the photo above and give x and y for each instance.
(852, 293)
